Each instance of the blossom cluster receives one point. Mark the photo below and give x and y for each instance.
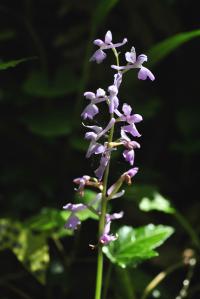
(100, 144)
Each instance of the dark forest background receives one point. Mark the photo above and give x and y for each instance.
(43, 146)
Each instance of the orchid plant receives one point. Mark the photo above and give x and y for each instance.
(102, 143)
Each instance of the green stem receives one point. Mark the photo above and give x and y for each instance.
(106, 281)
(99, 275)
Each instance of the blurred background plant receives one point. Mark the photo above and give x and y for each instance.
(44, 69)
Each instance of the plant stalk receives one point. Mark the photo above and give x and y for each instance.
(99, 275)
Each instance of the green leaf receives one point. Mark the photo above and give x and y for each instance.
(164, 48)
(39, 84)
(13, 63)
(48, 219)
(53, 122)
(158, 203)
(135, 245)
(31, 250)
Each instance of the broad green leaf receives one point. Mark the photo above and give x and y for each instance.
(13, 63)
(158, 203)
(39, 84)
(135, 245)
(164, 48)
(31, 249)
(53, 122)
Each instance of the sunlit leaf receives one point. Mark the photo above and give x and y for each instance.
(13, 63)
(164, 48)
(31, 249)
(135, 245)
(158, 203)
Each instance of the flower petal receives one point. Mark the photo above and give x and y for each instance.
(89, 95)
(129, 156)
(131, 56)
(100, 93)
(72, 222)
(98, 42)
(98, 56)
(145, 73)
(90, 111)
(108, 37)
(126, 109)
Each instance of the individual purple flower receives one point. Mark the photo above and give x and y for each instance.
(73, 221)
(95, 135)
(82, 181)
(113, 99)
(100, 55)
(131, 119)
(106, 238)
(128, 175)
(110, 217)
(105, 158)
(136, 63)
(91, 110)
(129, 153)
(117, 79)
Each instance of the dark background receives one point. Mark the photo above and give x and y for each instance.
(42, 146)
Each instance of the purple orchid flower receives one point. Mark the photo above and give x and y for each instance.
(82, 181)
(113, 99)
(95, 147)
(136, 63)
(91, 110)
(128, 175)
(131, 119)
(129, 153)
(105, 158)
(106, 238)
(100, 55)
(73, 221)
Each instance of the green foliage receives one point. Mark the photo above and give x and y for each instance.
(39, 84)
(135, 245)
(30, 249)
(53, 122)
(13, 63)
(29, 240)
(164, 48)
(158, 203)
